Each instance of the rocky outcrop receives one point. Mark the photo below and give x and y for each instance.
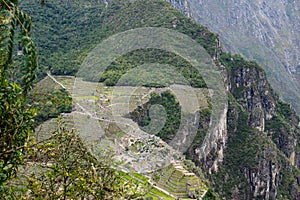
(253, 167)
(183, 6)
(272, 142)
(255, 96)
(274, 121)
(252, 152)
(251, 89)
(211, 152)
(263, 30)
(265, 180)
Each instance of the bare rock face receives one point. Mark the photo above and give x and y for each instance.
(254, 166)
(258, 98)
(267, 31)
(255, 96)
(265, 179)
(183, 6)
(211, 152)
(277, 130)
(258, 157)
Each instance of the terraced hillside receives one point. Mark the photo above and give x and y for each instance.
(107, 126)
(102, 118)
(180, 182)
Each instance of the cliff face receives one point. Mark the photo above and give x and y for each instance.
(260, 153)
(257, 154)
(267, 31)
(267, 113)
(256, 97)
(267, 131)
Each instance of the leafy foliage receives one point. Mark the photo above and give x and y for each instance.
(15, 128)
(62, 167)
(11, 19)
(244, 145)
(172, 109)
(61, 48)
(64, 33)
(157, 13)
(49, 100)
(136, 58)
(50, 105)
(16, 118)
(210, 195)
(67, 47)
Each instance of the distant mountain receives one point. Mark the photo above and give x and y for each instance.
(267, 31)
(253, 152)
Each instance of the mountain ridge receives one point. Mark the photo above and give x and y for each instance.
(266, 31)
(255, 152)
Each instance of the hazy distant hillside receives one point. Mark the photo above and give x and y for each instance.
(268, 31)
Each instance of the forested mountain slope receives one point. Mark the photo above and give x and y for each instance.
(267, 31)
(255, 149)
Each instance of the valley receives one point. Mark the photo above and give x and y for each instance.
(181, 116)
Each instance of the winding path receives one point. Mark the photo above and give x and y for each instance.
(56, 81)
(94, 116)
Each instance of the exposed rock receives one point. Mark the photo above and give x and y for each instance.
(267, 31)
(265, 180)
(253, 92)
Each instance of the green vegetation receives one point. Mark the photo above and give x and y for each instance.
(49, 100)
(286, 111)
(156, 194)
(157, 13)
(280, 129)
(201, 133)
(247, 148)
(180, 182)
(62, 167)
(244, 145)
(150, 192)
(233, 62)
(137, 58)
(61, 48)
(210, 195)
(172, 109)
(16, 127)
(288, 183)
(15, 117)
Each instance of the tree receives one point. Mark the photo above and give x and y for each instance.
(15, 116)
(64, 168)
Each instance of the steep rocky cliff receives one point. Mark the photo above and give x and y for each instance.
(253, 152)
(267, 31)
(263, 138)
(262, 149)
